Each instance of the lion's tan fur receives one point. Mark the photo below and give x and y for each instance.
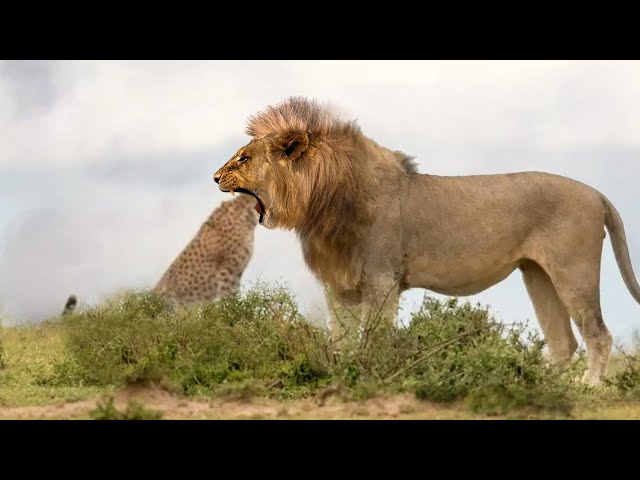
(371, 226)
(329, 225)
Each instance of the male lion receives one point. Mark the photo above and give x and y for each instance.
(372, 227)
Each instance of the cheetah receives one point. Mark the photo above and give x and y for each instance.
(211, 265)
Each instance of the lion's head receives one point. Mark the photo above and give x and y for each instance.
(309, 172)
(265, 169)
(298, 165)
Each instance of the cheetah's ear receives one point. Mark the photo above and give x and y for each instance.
(292, 145)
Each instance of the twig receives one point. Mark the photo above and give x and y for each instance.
(434, 350)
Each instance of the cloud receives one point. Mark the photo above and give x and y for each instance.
(95, 111)
(126, 109)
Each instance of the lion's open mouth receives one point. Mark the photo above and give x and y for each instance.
(259, 206)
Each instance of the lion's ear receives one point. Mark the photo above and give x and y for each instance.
(294, 144)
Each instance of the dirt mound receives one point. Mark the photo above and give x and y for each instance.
(177, 407)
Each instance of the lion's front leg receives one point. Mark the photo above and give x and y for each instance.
(379, 307)
(357, 315)
(345, 307)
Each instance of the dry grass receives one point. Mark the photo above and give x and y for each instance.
(29, 356)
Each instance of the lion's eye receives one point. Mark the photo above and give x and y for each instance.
(243, 158)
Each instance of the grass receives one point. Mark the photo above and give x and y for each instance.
(258, 347)
(106, 410)
(30, 356)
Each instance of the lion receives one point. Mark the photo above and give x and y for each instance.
(371, 226)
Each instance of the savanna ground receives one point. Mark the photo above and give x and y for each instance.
(254, 356)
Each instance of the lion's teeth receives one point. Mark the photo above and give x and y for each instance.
(233, 193)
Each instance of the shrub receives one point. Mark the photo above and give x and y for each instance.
(627, 380)
(258, 343)
(258, 335)
(495, 367)
(106, 410)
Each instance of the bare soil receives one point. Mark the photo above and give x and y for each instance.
(176, 407)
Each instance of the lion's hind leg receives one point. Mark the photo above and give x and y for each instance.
(551, 313)
(578, 287)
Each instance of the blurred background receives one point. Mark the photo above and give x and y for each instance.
(106, 166)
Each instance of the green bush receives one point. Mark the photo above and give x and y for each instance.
(66, 372)
(627, 381)
(258, 343)
(106, 410)
(497, 369)
(258, 335)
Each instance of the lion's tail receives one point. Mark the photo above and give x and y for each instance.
(614, 224)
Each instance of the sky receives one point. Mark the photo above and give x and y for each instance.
(106, 166)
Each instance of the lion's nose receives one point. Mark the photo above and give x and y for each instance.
(216, 178)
